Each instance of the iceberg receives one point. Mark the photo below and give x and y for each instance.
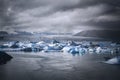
(82, 51)
(115, 60)
(66, 49)
(74, 51)
(4, 57)
(52, 47)
(91, 50)
(98, 50)
(55, 41)
(72, 43)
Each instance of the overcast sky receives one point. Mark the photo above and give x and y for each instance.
(59, 15)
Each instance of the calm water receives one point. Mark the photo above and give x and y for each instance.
(58, 66)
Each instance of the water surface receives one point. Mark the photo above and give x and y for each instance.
(57, 66)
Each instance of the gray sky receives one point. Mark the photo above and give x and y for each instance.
(59, 15)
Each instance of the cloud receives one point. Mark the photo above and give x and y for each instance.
(59, 15)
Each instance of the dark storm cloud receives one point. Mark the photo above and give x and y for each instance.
(6, 15)
(59, 15)
(3, 15)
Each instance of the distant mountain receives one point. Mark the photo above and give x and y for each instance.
(3, 33)
(23, 33)
(106, 34)
(51, 33)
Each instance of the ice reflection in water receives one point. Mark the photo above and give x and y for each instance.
(57, 66)
(47, 61)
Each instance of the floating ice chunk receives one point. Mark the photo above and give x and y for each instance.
(91, 50)
(72, 43)
(52, 47)
(82, 51)
(41, 42)
(66, 49)
(115, 60)
(98, 50)
(55, 41)
(74, 50)
(28, 45)
(20, 44)
(106, 50)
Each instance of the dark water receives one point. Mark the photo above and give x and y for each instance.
(58, 66)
